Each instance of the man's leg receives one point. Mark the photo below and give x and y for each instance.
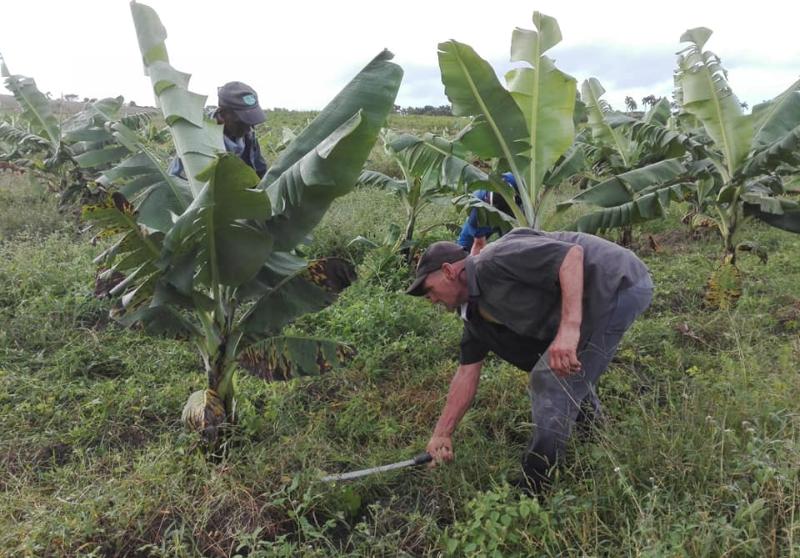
(556, 401)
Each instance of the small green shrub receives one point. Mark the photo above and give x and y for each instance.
(500, 523)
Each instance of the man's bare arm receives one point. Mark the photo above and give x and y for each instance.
(463, 387)
(564, 349)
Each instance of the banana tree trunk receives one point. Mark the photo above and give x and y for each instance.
(728, 240)
(626, 236)
(409, 234)
(729, 218)
(208, 410)
(221, 380)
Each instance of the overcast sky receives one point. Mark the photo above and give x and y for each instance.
(298, 54)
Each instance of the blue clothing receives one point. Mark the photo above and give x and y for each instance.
(471, 229)
(246, 148)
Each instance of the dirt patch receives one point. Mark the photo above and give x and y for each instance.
(108, 368)
(219, 534)
(14, 462)
(788, 318)
(672, 241)
(54, 455)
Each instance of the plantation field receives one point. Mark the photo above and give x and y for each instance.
(700, 456)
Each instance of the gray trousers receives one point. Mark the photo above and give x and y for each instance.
(556, 402)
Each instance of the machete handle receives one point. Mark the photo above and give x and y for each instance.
(423, 458)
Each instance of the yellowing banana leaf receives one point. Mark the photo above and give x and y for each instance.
(135, 254)
(282, 304)
(307, 290)
(126, 163)
(287, 357)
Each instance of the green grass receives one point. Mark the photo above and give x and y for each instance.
(25, 208)
(700, 456)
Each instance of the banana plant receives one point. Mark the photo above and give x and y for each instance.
(222, 271)
(528, 127)
(751, 154)
(433, 169)
(18, 142)
(120, 157)
(640, 165)
(36, 137)
(37, 112)
(63, 153)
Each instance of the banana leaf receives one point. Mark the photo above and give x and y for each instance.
(777, 118)
(287, 357)
(527, 127)
(703, 91)
(787, 220)
(229, 250)
(659, 113)
(134, 254)
(651, 205)
(602, 129)
(197, 138)
(625, 187)
(293, 297)
(325, 160)
(571, 163)
(439, 162)
(785, 150)
(498, 128)
(23, 141)
(375, 178)
(546, 96)
(109, 143)
(36, 109)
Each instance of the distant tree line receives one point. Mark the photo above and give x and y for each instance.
(442, 110)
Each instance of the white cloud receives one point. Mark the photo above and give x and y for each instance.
(298, 54)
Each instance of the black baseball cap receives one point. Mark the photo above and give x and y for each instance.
(242, 100)
(437, 254)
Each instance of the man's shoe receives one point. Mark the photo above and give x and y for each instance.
(531, 485)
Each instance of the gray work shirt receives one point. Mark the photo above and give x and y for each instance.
(514, 280)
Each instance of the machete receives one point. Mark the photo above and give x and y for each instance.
(418, 460)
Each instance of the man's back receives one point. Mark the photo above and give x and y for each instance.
(517, 277)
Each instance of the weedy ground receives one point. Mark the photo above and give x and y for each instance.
(700, 456)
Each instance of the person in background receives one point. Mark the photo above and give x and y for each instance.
(473, 237)
(238, 112)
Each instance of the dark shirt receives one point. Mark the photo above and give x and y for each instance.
(515, 280)
(246, 148)
(481, 337)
